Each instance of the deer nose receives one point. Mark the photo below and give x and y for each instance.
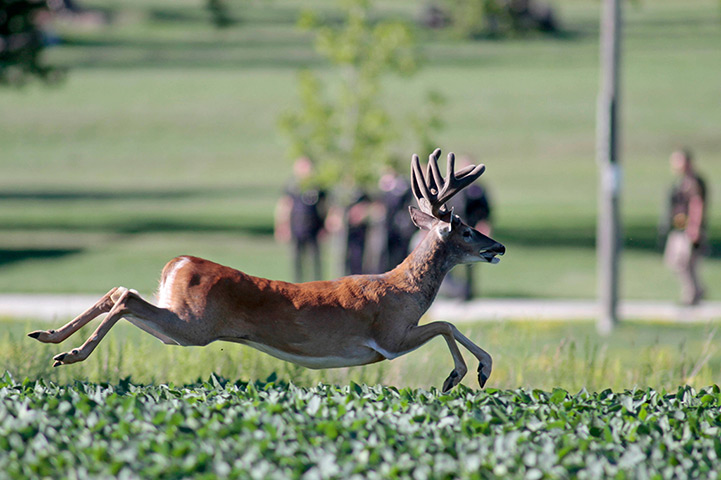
(498, 249)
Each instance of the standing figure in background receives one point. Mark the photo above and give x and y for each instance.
(473, 205)
(300, 216)
(395, 196)
(686, 226)
(358, 221)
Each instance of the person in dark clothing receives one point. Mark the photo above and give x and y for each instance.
(395, 196)
(300, 217)
(685, 226)
(357, 214)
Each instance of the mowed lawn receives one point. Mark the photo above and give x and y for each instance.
(163, 141)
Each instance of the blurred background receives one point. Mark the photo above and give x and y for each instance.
(132, 132)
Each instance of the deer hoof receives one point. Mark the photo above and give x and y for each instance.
(72, 356)
(46, 336)
(451, 381)
(482, 379)
(482, 376)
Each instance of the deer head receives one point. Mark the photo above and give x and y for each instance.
(464, 243)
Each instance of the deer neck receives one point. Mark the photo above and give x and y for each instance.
(422, 272)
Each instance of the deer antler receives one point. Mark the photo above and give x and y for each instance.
(432, 191)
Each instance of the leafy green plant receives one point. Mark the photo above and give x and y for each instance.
(217, 428)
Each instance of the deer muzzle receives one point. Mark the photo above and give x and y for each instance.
(491, 254)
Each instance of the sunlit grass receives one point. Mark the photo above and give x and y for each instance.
(526, 354)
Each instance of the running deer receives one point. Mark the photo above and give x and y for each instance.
(354, 320)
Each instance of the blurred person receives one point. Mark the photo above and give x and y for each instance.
(358, 215)
(376, 237)
(685, 226)
(473, 205)
(299, 218)
(395, 197)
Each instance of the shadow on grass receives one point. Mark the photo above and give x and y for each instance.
(635, 237)
(269, 14)
(9, 256)
(170, 226)
(245, 223)
(638, 235)
(137, 227)
(156, 45)
(257, 53)
(252, 191)
(283, 46)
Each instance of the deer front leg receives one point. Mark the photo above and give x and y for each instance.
(419, 335)
(485, 362)
(56, 336)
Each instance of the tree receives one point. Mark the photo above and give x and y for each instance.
(346, 128)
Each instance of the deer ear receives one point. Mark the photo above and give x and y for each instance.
(420, 219)
(453, 220)
(449, 223)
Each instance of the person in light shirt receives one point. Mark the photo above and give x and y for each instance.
(686, 226)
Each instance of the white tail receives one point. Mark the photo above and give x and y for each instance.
(354, 320)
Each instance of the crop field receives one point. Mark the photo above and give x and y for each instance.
(262, 430)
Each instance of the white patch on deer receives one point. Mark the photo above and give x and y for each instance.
(348, 360)
(166, 285)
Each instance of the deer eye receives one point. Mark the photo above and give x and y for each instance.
(466, 234)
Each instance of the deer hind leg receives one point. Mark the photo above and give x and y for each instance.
(159, 322)
(419, 335)
(56, 336)
(485, 362)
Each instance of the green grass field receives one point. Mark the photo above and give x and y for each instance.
(163, 141)
(543, 355)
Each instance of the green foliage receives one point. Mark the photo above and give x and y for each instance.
(426, 123)
(498, 18)
(313, 130)
(22, 42)
(468, 17)
(217, 428)
(347, 129)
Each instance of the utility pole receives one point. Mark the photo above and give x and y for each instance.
(608, 235)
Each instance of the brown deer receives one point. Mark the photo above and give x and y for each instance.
(354, 320)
